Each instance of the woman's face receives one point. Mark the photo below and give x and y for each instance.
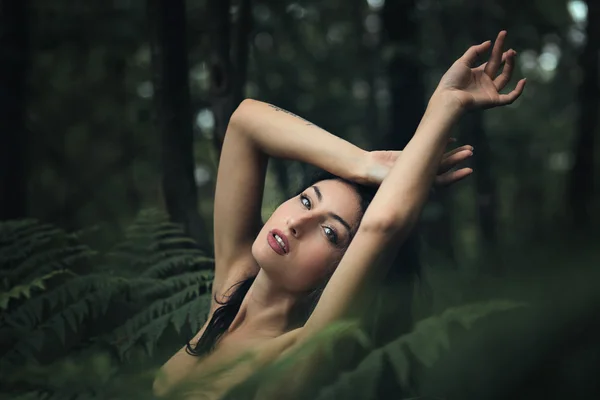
(305, 238)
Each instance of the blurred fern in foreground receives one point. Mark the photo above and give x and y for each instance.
(59, 297)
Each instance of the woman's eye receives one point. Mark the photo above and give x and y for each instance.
(331, 234)
(305, 201)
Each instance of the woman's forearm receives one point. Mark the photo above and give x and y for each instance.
(282, 134)
(404, 191)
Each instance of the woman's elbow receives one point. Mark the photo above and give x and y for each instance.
(388, 224)
(244, 110)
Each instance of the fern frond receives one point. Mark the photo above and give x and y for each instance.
(425, 343)
(24, 245)
(32, 312)
(162, 287)
(12, 230)
(151, 258)
(25, 289)
(167, 265)
(48, 260)
(150, 324)
(91, 305)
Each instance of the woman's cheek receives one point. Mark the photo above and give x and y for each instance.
(322, 260)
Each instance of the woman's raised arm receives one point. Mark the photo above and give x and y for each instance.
(396, 207)
(256, 132)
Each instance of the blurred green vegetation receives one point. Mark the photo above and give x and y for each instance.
(88, 96)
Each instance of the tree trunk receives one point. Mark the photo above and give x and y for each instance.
(172, 98)
(220, 68)
(14, 63)
(487, 197)
(228, 76)
(407, 94)
(241, 51)
(581, 179)
(409, 103)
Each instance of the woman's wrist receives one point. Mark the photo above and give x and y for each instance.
(357, 166)
(445, 101)
(372, 172)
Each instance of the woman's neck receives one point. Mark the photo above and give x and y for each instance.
(265, 308)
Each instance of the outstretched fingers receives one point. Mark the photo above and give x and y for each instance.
(452, 177)
(502, 79)
(509, 98)
(504, 58)
(456, 150)
(493, 65)
(454, 157)
(474, 52)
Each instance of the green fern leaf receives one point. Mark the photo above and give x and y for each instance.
(198, 312)
(48, 260)
(58, 326)
(23, 246)
(425, 342)
(149, 324)
(25, 290)
(11, 231)
(200, 259)
(74, 314)
(177, 282)
(165, 266)
(31, 312)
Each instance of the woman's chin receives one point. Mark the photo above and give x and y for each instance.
(264, 256)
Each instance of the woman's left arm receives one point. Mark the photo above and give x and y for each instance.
(396, 207)
(398, 202)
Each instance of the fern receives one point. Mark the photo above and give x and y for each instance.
(14, 230)
(72, 305)
(47, 260)
(426, 342)
(155, 270)
(82, 376)
(149, 324)
(168, 265)
(33, 312)
(25, 289)
(25, 243)
(161, 287)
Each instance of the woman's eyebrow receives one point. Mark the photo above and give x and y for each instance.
(332, 215)
(341, 221)
(318, 192)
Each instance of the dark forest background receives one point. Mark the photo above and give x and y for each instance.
(112, 116)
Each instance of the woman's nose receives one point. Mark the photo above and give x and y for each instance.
(298, 224)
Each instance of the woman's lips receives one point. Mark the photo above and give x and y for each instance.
(275, 245)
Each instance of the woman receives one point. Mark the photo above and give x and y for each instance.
(325, 237)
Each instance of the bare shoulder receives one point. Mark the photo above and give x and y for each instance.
(278, 346)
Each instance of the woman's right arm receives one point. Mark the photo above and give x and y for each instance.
(282, 134)
(257, 131)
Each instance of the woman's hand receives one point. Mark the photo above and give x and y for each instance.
(480, 87)
(381, 162)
